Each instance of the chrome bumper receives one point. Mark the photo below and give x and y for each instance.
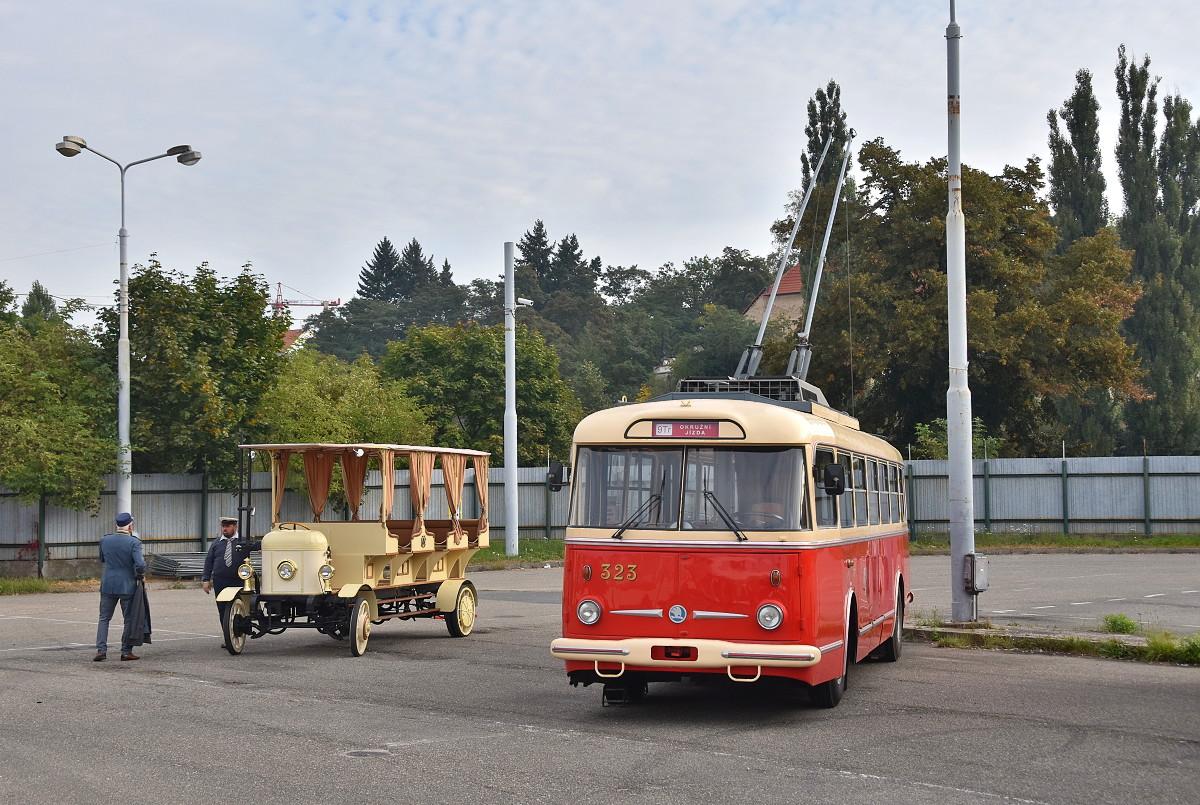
(709, 654)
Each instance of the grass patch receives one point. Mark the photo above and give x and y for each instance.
(22, 585)
(1119, 623)
(531, 551)
(935, 544)
(1160, 646)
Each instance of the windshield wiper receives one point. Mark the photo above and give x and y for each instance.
(711, 498)
(638, 512)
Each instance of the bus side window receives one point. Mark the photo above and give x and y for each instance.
(860, 491)
(826, 504)
(847, 502)
(873, 489)
(893, 493)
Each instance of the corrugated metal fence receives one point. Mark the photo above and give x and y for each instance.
(1155, 495)
(1148, 495)
(174, 511)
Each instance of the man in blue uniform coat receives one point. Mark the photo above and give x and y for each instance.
(121, 555)
(225, 555)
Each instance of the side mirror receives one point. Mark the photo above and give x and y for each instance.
(557, 476)
(833, 478)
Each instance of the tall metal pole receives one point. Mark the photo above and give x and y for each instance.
(511, 524)
(124, 451)
(964, 602)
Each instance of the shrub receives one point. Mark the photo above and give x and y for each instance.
(1119, 623)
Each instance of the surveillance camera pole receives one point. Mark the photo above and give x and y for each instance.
(963, 602)
(511, 523)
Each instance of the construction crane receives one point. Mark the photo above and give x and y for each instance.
(280, 304)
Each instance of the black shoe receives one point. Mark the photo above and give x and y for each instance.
(100, 657)
(129, 656)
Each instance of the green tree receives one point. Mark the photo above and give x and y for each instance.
(931, 440)
(457, 375)
(825, 118)
(415, 272)
(57, 409)
(714, 348)
(361, 326)
(379, 276)
(1039, 330)
(589, 385)
(1076, 179)
(203, 352)
(534, 263)
(1157, 227)
(318, 398)
(39, 304)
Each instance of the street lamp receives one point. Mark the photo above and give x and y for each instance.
(184, 155)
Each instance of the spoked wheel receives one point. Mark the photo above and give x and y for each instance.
(828, 694)
(890, 650)
(235, 640)
(461, 621)
(360, 626)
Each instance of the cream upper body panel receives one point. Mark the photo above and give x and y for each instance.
(763, 423)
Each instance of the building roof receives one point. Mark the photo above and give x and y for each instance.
(792, 284)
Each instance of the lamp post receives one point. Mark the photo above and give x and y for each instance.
(511, 498)
(185, 155)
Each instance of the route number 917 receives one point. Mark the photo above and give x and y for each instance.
(618, 572)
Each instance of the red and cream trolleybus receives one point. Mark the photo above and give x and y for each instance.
(731, 532)
(739, 526)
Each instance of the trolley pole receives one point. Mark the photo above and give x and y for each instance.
(511, 543)
(964, 599)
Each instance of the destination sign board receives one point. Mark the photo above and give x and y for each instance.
(687, 429)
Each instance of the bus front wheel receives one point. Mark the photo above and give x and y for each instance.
(828, 694)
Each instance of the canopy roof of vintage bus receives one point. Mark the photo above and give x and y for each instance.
(367, 448)
(736, 417)
(319, 459)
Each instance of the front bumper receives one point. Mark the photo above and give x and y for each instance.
(638, 652)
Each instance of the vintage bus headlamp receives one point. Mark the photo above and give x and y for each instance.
(245, 571)
(770, 616)
(325, 572)
(588, 612)
(286, 570)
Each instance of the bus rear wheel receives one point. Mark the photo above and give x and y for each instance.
(828, 694)
(889, 651)
(461, 621)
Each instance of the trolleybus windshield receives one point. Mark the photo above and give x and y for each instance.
(761, 489)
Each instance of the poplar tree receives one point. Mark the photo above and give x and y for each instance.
(825, 117)
(1076, 181)
(1155, 225)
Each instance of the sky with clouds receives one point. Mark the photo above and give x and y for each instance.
(654, 129)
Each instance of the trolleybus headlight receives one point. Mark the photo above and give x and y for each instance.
(588, 612)
(770, 616)
(286, 570)
(245, 572)
(325, 572)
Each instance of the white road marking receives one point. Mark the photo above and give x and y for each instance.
(1154, 595)
(93, 623)
(1116, 599)
(1186, 592)
(1047, 606)
(1079, 603)
(93, 645)
(1002, 611)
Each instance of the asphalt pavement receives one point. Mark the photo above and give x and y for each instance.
(1074, 591)
(424, 718)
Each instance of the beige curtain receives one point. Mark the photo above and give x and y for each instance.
(354, 476)
(420, 476)
(387, 472)
(279, 473)
(454, 471)
(318, 471)
(481, 489)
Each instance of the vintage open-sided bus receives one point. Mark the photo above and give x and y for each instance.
(341, 577)
(741, 528)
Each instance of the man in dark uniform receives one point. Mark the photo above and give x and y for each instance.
(121, 555)
(225, 555)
